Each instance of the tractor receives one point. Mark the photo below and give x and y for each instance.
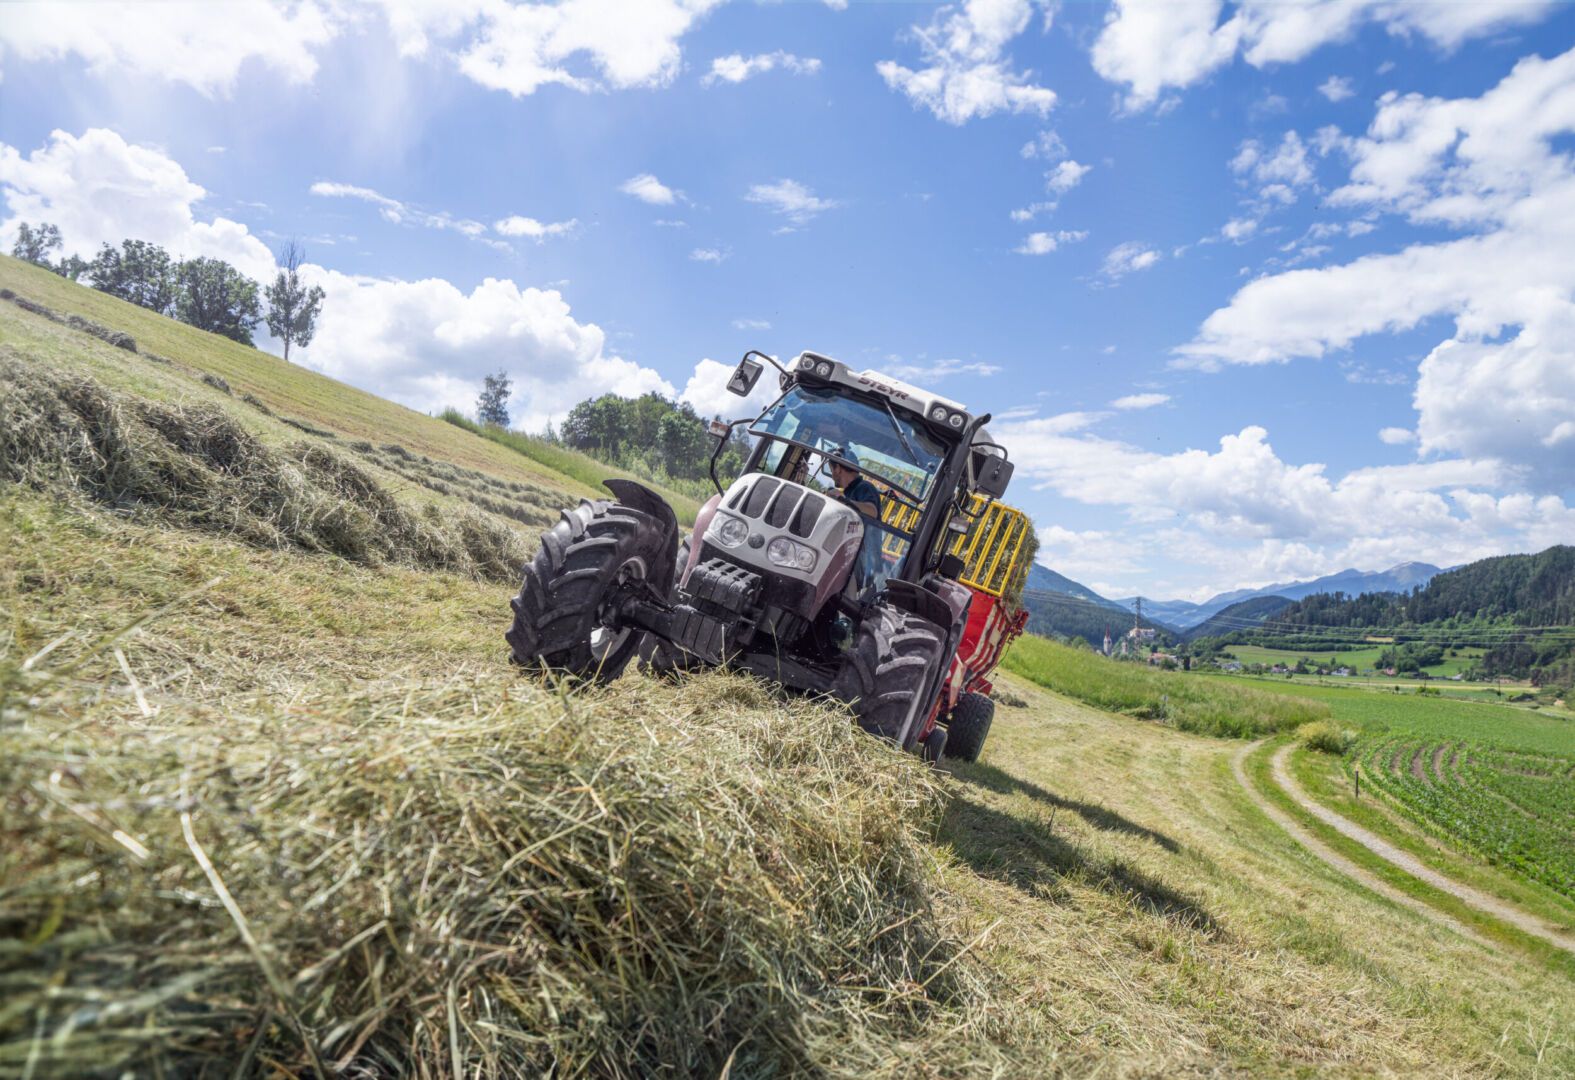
(861, 553)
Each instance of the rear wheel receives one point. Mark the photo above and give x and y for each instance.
(563, 615)
(887, 674)
(969, 725)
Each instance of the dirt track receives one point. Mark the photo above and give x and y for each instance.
(1489, 905)
(1337, 861)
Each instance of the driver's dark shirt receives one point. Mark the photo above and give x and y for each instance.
(862, 491)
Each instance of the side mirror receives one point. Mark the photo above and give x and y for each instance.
(745, 376)
(718, 428)
(991, 473)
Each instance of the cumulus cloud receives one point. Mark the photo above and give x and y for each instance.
(709, 255)
(751, 324)
(736, 67)
(1043, 243)
(1126, 258)
(1396, 436)
(519, 48)
(1151, 48)
(648, 189)
(1065, 176)
(792, 200)
(966, 73)
(1139, 401)
(531, 229)
(707, 392)
(1336, 88)
(426, 344)
(1490, 166)
(200, 44)
(1242, 514)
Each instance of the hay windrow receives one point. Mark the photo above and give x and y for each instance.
(442, 878)
(195, 466)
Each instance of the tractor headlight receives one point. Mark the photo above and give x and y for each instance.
(728, 531)
(938, 414)
(823, 369)
(955, 420)
(789, 553)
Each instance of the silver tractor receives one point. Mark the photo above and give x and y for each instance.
(823, 588)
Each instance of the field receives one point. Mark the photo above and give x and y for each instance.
(272, 801)
(1191, 704)
(1361, 658)
(1513, 808)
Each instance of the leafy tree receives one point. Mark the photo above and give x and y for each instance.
(292, 307)
(35, 243)
(71, 267)
(492, 407)
(682, 442)
(216, 297)
(140, 272)
(596, 426)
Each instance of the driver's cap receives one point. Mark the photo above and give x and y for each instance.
(844, 453)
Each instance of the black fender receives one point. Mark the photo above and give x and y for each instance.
(639, 497)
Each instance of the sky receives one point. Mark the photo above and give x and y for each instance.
(1255, 292)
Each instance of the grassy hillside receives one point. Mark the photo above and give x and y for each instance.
(268, 802)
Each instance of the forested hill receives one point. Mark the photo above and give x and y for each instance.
(1524, 590)
(1239, 618)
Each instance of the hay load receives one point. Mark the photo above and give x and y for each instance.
(468, 878)
(195, 466)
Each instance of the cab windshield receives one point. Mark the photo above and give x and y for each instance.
(886, 445)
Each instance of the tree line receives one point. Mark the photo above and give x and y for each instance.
(207, 293)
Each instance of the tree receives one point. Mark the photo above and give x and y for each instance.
(140, 272)
(71, 267)
(292, 307)
(35, 244)
(216, 297)
(682, 443)
(492, 407)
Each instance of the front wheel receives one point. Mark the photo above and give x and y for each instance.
(888, 673)
(969, 725)
(564, 613)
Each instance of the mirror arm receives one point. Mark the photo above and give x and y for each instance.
(767, 359)
(722, 440)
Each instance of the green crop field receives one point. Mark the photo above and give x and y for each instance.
(1362, 658)
(1514, 808)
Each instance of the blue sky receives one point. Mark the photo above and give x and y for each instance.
(1257, 291)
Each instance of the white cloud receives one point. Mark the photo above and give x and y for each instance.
(1396, 436)
(1154, 47)
(1042, 243)
(426, 344)
(709, 255)
(922, 371)
(648, 189)
(200, 44)
(792, 200)
(1285, 164)
(1488, 165)
(1337, 88)
(1065, 176)
(1046, 145)
(967, 73)
(736, 67)
(518, 48)
(1139, 401)
(1125, 258)
(99, 189)
(530, 228)
(751, 324)
(707, 392)
(396, 212)
(1242, 514)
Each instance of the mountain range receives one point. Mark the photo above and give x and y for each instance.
(1182, 615)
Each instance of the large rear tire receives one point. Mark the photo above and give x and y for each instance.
(969, 726)
(561, 615)
(887, 674)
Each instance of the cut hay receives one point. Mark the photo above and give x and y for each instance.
(196, 466)
(116, 338)
(469, 878)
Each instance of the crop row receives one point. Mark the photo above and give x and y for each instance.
(1514, 809)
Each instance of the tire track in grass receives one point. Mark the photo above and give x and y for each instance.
(1338, 862)
(1404, 860)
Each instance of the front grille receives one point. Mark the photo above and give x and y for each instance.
(755, 504)
(808, 513)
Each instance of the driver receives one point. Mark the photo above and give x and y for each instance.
(856, 491)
